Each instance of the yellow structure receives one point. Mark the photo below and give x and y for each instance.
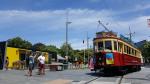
(18, 54)
(12, 54)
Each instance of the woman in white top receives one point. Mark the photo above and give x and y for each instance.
(41, 60)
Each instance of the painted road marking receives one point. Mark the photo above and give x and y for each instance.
(59, 81)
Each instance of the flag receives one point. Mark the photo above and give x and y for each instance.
(148, 22)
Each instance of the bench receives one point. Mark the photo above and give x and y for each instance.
(55, 66)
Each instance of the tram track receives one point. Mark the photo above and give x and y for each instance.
(119, 81)
(91, 80)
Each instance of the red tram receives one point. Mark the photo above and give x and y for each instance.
(112, 53)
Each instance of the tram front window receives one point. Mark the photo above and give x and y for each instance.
(108, 45)
(100, 45)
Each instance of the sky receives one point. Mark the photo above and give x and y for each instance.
(44, 20)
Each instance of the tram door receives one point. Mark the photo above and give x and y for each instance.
(2, 54)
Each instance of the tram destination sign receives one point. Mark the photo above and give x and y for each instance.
(105, 34)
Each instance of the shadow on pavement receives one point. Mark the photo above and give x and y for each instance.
(101, 74)
(110, 74)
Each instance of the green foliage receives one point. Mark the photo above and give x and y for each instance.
(63, 50)
(19, 43)
(79, 54)
(51, 48)
(145, 49)
(39, 47)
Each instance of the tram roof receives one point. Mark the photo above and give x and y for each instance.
(113, 35)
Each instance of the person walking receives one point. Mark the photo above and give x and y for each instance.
(27, 60)
(41, 60)
(6, 63)
(34, 56)
(31, 63)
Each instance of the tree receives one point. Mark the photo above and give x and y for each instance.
(39, 47)
(63, 50)
(19, 43)
(51, 48)
(146, 51)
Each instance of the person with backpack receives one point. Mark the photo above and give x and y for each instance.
(31, 64)
(27, 60)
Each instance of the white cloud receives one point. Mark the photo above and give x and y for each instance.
(138, 7)
(34, 24)
(137, 25)
(77, 43)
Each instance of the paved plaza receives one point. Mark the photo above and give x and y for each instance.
(80, 76)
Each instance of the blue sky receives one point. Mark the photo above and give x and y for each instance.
(44, 20)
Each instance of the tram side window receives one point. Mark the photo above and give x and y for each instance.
(132, 51)
(119, 47)
(100, 45)
(136, 53)
(115, 45)
(108, 45)
(125, 48)
(129, 50)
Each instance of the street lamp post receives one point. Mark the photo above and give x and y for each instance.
(67, 23)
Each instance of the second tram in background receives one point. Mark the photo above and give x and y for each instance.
(112, 53)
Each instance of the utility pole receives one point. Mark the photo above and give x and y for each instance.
(67, 23)
(87, 46)
(84, 51)
(130, 34)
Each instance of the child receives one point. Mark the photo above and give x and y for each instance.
(6, 63)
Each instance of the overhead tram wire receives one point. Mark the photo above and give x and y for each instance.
(100, 23)
(103, 26)
(116, 22)
(107, 7)
(130, 34)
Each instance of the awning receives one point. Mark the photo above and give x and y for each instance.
(60, 57)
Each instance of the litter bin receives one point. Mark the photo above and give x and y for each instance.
(59, 68)
(65, 65)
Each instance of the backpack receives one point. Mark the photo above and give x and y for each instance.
(30, 60)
